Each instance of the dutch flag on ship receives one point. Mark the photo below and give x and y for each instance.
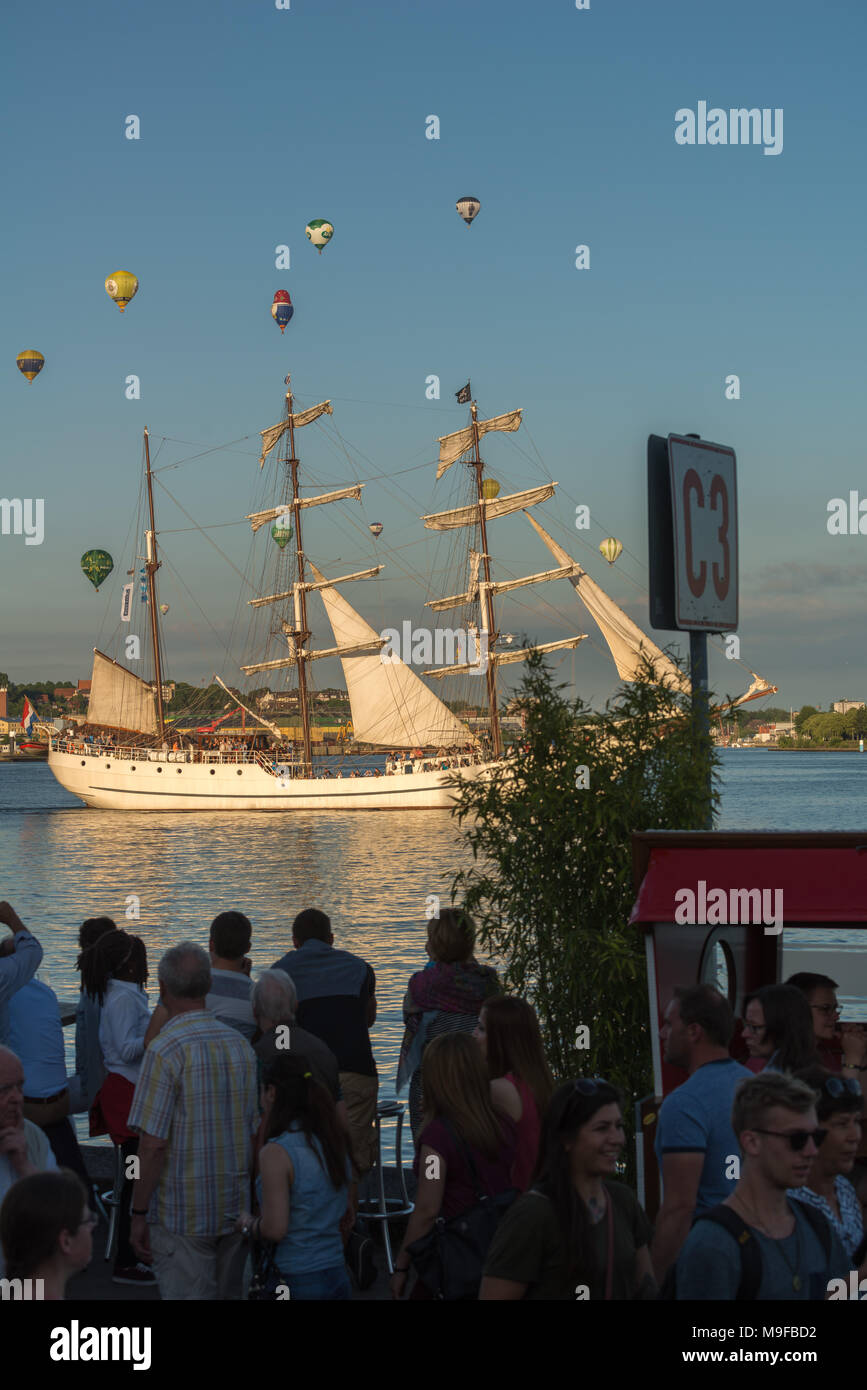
(28, 717)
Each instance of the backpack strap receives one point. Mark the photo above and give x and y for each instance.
(751, 1255)
(819, 1222)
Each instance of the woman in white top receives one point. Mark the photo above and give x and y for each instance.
(115, 974)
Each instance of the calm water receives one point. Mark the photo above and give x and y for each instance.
(60, 863)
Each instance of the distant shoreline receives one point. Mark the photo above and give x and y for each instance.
(772, 748)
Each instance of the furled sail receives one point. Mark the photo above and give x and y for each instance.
(505, 586)
(758, 688)
(458, 600)
(259, 519)
(493, 507)
(119, 699)
(628, 644)
(391, 707)
(507, 658)
(453, 445)
(304, 417)
(309, 588)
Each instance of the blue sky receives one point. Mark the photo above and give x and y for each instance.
(705, 261)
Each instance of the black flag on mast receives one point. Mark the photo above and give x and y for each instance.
(464, 395)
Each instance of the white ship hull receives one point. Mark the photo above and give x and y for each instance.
(161, 782)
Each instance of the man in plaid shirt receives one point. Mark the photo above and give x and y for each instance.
(195, 1106)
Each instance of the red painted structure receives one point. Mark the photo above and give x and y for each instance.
(823, 879)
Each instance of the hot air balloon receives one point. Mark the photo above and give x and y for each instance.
(375, 528)
(122, 287)
(320, 232)
(490, 489)
(281, 531)
(30, 363)
(282, 310)
(97, 565)
(468, 208)
(282, 297)
(164, 608)
(610, 548)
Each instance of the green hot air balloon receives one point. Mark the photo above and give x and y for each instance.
(97, 565)
(281, 531)
(319, 232)
(610, 548)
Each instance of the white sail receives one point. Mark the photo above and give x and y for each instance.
(493, 507)
(259, 519)
(453, 445)
(391, 707)
(628, 644)
(119, 699)
(271, 435)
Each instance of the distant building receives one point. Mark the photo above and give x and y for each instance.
(65, 692)
(84, 687)
(844, 706)
(4, 697)
(770, 733)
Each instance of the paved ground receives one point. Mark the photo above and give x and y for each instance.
(95, 1283)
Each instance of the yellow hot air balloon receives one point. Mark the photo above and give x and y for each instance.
(30, 363)
(121, 286)
(610, 548)
(490, 489)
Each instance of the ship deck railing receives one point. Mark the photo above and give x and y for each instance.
(281, 768)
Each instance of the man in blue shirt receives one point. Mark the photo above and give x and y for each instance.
(20, 958)
(36, 1036)
(696, 1148)
(795, 1257)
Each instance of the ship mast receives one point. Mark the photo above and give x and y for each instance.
(487, 603)
(301, 632)
(152, 564)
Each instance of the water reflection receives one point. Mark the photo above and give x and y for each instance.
(370, 872)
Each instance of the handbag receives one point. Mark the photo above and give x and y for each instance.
(450, 1258)
(266, 1277)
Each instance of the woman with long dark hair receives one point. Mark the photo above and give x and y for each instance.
(778, 1026)
(303, 1184)
(578, 1232)
(521, 1082)
(114, 974)
(89, 1066)
(463, 1139)
(46, 1230)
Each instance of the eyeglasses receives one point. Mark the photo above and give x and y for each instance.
(837, 1086)
(797, 1137)
(825, 1008)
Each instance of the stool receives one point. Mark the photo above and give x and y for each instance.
(111, 1199)
(382, 1208)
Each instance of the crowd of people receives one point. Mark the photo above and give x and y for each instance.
(243, 1111)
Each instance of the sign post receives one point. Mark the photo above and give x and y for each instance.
(692, 517)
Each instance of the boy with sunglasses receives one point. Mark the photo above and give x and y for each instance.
(760, 1244)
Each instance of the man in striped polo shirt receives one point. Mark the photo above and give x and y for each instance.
(196, 1108)
(230, 995)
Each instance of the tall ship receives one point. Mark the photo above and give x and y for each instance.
(130, 755)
